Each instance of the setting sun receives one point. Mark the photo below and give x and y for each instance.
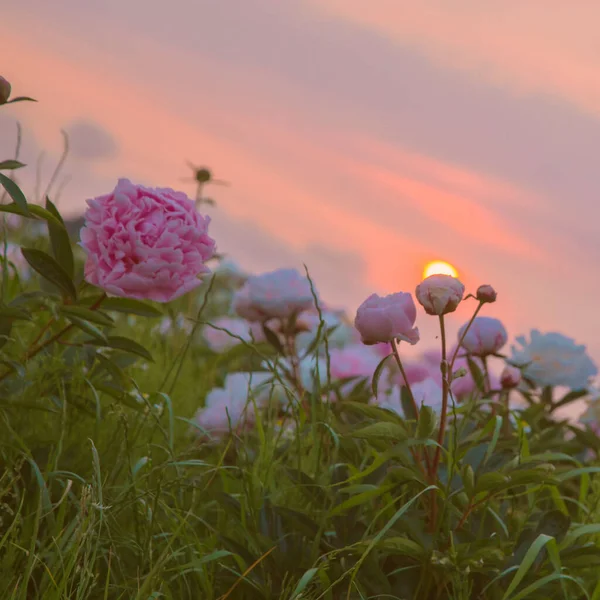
(439, 267)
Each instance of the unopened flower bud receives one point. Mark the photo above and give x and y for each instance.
(486, 293)
(5, 90)
(510, 377)
(440, 294)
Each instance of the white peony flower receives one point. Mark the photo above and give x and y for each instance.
(552, 359)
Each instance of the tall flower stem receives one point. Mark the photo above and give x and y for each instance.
(442, 430)
(416, 455)
(290, 350)
(462, 337)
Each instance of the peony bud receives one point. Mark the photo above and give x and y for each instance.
(486, 293)
(5, 90)
(510, 377)
(383, 319)
(485, 336)
(440, 294)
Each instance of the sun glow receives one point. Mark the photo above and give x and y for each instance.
(439, 267)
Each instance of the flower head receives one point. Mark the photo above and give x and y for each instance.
(440, 294)
(145, 243)
(232, 404)
(485, 336)
(486, 294)
(278, 294)
(383, 319)
(220, 341)
(552, 359)
(5, 89)
(510, 377)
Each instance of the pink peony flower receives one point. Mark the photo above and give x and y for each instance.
(278, 294)
(416, 372)
(383, 319)
(232, 404)
(485, 336)
(440, 294)
(353, 361)
(220, 341)
(145, 243)
(510, 377)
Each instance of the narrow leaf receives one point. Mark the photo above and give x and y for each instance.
(61, 243)
(87, 327)
(93, 316)
(131, 307)
(50, 270)
(14, 191)
(10, 165)
(377, 375)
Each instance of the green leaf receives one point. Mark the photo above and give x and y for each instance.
(304, 581)
(476, 374)
(490, 482)
(492, 445)
(5, 329)
(87, 327)
(10, 165)
(61, 243)
(427, 422)
(273, 339)
(383, 430)
(131, 307)
(369, 411)
(377, 375)
(14, 191)
(49, 269)
(527, 562)
(407, 404)
(93, 316)
(15, 366)
(8, 312)
(122, 343)
(362, 498)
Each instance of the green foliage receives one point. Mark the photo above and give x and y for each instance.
(109, 489)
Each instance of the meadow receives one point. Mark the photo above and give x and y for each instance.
(174, 428)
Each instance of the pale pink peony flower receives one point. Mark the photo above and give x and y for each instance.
(486, 293)
(485, 336)
(145, 243)
(353, 361)
(416, 372)
(232, 404)
(383, 319)
(510, 377)
(220, 341)
(440, 294)
(278, 294)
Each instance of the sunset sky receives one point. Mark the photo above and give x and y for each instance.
(364, 139)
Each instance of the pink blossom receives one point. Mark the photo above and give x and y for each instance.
(510, 377)
(485, 336)
(145, 243)
(278, 294)
(440, 294)
(220, 341)
(486, 294)
(353, 361)
(383, 319)
(232, 404)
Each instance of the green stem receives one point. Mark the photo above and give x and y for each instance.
(462, 337)
(35, 350)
